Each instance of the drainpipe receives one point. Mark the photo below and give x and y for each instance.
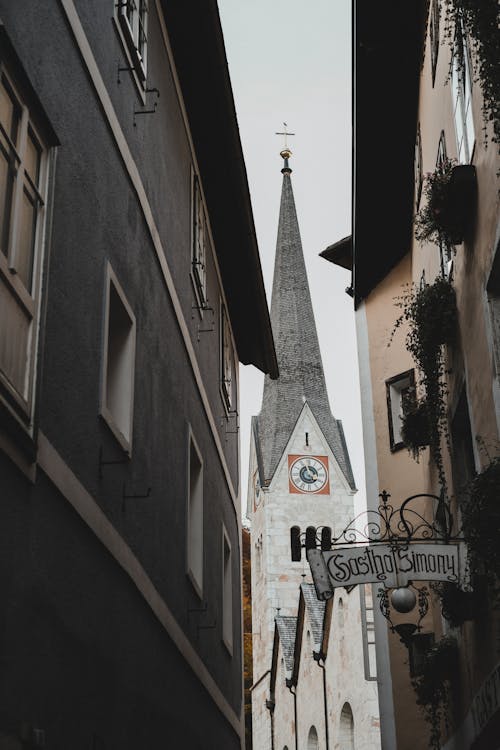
(270, 707)
(290, 685)
(317, 658)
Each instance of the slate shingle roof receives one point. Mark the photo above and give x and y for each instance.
(301, 375)
(287, 628)
(315, 611)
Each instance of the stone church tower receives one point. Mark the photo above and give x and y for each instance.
(300, 475)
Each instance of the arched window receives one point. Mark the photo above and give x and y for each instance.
(346, 734)
(312, 739)
(341, 613)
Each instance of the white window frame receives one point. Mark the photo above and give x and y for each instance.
(199, 244)
(227, 362)
(227, 592)
(395, 388)
(19, 396)
(194, 520)
(132, 22)
(106, 412)
(461, 91)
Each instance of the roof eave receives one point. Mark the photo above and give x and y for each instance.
(209, 104)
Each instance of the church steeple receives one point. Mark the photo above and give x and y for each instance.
(301, 378)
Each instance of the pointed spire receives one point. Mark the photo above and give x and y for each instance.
(301, 377)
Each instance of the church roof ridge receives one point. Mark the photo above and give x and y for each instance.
(301, 376)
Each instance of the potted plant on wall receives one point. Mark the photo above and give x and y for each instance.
(448, 212)
(433, 685)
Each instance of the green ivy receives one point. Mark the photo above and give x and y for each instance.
(431, 314)
(479, 20)
(432, 686)
(481, 522)
(428, 226)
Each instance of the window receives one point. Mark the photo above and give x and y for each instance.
(199, 246)
(24, 168)
(346, 729)
(368, 626)
(434, 36)
(312, 739)
(226, 360)
(227, 592)
(195, 517)
(441, 152)
(419, 645)
(399, 391)
(133, 23)
(461, 89)
(419, 177)
(117, 397)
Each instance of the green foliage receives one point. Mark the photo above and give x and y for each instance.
(481, 522)
(415, 427)
(428, 226)
(431, 313)
(432, 686)
(457, 606)
(479, 21)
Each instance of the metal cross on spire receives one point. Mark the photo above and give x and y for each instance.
(285, 133)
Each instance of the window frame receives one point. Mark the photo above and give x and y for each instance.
(461, 93)
(227, 588)
(390, 385)
(104, 410)
(419, 174)
(227, 361)
(129, 31)
(198, 271)
(195, 577)
(435, 13)
(26, 296)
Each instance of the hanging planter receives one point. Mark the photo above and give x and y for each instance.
(415, 428)
(457, 606)
(433, 686)
(449, 211)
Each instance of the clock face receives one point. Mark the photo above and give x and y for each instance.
(308, 474)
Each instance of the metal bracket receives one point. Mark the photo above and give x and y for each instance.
(102, 462)
(133, 496)
(147, 111)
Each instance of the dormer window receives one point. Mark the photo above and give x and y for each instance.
(132, 16)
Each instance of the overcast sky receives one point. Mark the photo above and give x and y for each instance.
(290, 61)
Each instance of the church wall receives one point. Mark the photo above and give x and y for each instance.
(346, 675)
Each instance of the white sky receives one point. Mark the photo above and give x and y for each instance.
(290, 60)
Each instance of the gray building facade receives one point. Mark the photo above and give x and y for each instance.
(130, 287)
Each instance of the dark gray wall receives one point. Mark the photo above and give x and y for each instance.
(97, 660)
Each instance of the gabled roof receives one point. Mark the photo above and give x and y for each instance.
(287, 628)
(315, 612)
(194, 26)
(301, 377)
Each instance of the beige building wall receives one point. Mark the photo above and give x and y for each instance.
(473, 364)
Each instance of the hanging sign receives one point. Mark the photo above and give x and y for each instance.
(392, 565)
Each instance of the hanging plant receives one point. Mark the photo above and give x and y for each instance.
(431, 313)
(457, 606)
(481, 522)
(478, 20)
(433, 685)
(448, 211)
(415, 427)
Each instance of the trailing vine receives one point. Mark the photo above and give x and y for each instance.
(427, 222)
(431, 314)
(479, 21)
(480, 511)
(433, 685)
